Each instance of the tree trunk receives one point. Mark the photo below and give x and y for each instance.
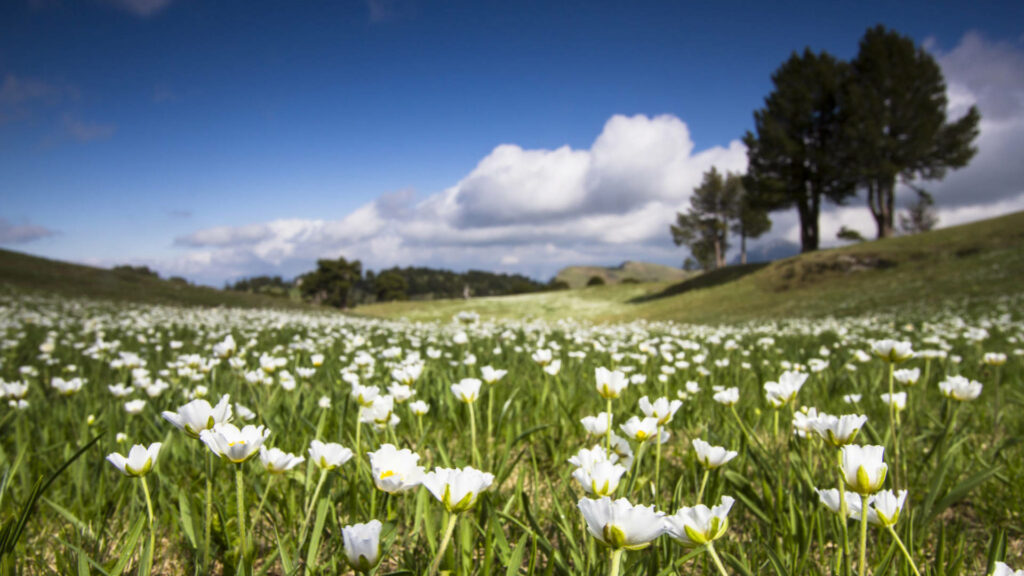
(743, 247)
(718, 253)
(808, 226)
(881, 194)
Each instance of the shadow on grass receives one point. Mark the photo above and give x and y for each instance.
(706, 280)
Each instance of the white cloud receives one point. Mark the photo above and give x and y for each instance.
(536, 210)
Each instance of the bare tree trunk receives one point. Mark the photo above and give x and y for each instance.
(743, 247)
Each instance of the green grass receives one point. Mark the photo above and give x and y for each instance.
(921, 273)
(577, 276)
(31, 273)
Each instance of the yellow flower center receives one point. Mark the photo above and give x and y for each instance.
(386, 474)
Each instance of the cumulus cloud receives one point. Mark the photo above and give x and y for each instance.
(529, 210)
(536, 210)
(11, 233)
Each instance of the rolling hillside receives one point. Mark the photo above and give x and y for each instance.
(31, 273)
(577, 276)
(981, 261)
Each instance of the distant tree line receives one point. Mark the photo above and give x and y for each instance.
(829, 130)
(342, 283)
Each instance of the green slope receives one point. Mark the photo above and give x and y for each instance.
(981, 261)
(31, 273)
(577, 276)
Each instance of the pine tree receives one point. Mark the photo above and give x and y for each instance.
(797, 157)
(895, 120)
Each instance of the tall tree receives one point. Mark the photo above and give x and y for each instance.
(748, 219)
(895, 120)
(797, 156)
(331, 282)
(705, 227)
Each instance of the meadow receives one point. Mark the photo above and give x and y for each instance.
(306, 442)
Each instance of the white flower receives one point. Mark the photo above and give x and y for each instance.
(640, 430)
(838, 430)
(699, 525)
(712, 456)
(196, 416)
(863, 468)
(419, 407)
(542, 356)
(884, 508)
(140, 459)
(785, 390)
(457, 488)
(994, 358)
(728, 396)
(610, 384)
(588, 458)
(328, 456)
(600, 479)
(365, 395)
(1002, 569)
(380, 412)
(490, 375)
(830, 498)
(897, 400)
(851, 398)
(467, 390)
(244, 413)
(67, 387)
(324, 402)
(277, 461)
(232, 444)
(119, 390)
(619, 524)
(597, 425)
(661, 409)
(907, 376)
(134, 406)
(362, 545)
(892, 351)
(553, 368)
(395, 470)
(960, 388)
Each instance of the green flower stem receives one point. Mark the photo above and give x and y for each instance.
(703, 483)
(892, 430)
(903, 549)
(472, 435)
(743, 428)
(863, 566)
(716, 559)
(452, 518)
(240, 495)
(608, 432)
(149, 513)
(843, 513)
(636, 468)
(613, 561)
(209, 510)
(657, 466)
(359, 446)
(263, 499)
(309, 508)
(775, 423)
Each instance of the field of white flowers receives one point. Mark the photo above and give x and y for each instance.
(161, 440)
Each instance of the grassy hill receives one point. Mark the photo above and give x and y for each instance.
(577, 276)
(981, 261)
(32, 273)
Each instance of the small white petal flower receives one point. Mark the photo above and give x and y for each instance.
(277, 461)
(362, 545)
(699, 525)
(395, 470)
(864, 468)
(712, 456)
(619, 524)
(457, 488)
(232, 444)
(140, 459)
(328, 456)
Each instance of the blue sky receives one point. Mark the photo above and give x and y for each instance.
(216, 139)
